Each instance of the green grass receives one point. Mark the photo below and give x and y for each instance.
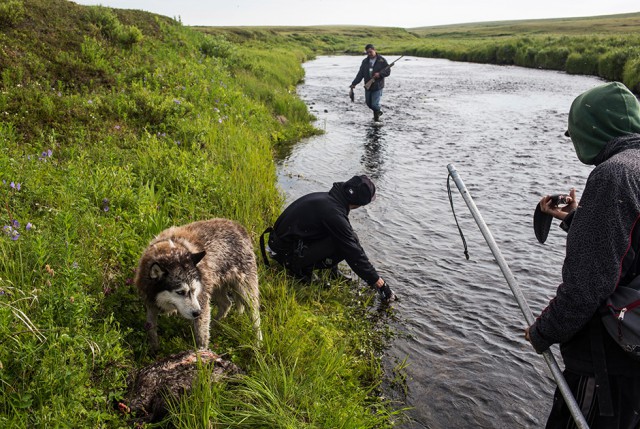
(113, 126)
(303, 380)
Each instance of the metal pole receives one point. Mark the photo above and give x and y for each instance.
(522, 303)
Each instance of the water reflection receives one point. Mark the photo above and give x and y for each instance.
(373, 156)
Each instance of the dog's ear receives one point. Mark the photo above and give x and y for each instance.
(197, 257)
(156, 272)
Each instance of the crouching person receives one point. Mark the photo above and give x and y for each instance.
(314, 232)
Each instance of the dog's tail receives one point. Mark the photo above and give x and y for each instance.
(262, 248)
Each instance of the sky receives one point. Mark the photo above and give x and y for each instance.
(382, 13)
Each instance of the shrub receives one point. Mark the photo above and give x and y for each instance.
(11, 13)
(585, 63)
(216, 47)
(112, 29)
(526, 56)
(127, 35)
(611, 64)
(631, 74)
(553, 58)
(483, 54)
(506, 54)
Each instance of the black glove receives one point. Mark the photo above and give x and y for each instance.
(386, 294)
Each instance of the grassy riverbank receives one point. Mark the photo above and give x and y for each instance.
(115, 125)
(607, 46)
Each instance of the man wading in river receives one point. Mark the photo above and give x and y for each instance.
(602, 256)
(374, 66)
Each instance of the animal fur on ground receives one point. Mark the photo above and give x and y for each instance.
(187, 267)
(170, 379)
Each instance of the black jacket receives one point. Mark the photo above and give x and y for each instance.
(320, 215)
(378, 67)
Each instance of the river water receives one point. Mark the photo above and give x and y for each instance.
(459, 327)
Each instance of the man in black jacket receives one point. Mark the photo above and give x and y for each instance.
(314, 232)
(374, 66)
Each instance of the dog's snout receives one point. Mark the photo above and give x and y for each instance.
(196, 313)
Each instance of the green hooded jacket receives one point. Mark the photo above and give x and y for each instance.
(600, 115)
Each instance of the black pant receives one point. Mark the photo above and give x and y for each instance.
(625, 396)
(305, 256)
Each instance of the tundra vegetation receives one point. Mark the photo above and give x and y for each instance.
(115, 124)
(606, 46)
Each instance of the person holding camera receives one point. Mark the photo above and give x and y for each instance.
(602, 255)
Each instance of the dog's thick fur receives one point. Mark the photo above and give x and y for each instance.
(186, 267)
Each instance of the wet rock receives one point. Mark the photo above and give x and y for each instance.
(171, 377)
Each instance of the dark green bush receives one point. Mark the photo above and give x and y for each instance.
(553, 58)
(526, 56)
(506, 54)
(127, 35)
(216, 47)
(11, 13)
(631, 74)
(112, 29)
(611, 64)
(585, 63)
(483, 54)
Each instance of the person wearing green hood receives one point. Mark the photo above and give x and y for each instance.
(602, 253)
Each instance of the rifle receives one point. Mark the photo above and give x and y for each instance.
(370, 81)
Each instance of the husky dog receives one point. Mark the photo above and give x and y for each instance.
(186, 267)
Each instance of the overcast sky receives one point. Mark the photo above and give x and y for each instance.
(386, 13)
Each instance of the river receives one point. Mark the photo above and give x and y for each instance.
(458, 326)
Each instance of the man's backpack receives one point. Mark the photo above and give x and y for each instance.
(621, 317)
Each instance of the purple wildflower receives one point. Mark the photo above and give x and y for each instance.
(46, 154)
(15, 224)
(11, 232)
(28, 226)
(105, 204)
